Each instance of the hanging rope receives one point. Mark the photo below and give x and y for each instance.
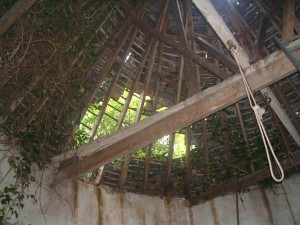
(258, 111)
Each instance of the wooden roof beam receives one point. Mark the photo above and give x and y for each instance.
(288, 19)
(145, 28)
(220, 56)
(189, 66)
(260, 39)
(12, 15)
(220, 27)
(106, 149)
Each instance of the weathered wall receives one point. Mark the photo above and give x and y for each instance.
(80, 203)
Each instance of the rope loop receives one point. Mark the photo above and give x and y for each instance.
(259, 112)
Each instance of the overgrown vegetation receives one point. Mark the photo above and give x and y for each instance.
(45, 63)
(12, 196)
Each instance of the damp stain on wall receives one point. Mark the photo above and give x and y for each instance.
(75, 191)
(214, 212)
(167, 202)
(100, 205)
(121, 197)
(191, 216)
(267, 204)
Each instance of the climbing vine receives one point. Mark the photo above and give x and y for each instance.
(13, 195)
(45, 60)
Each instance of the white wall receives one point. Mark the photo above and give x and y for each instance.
(81, 203)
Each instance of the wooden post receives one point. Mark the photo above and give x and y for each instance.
(167, 182)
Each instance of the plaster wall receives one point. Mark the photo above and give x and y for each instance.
(79, 203)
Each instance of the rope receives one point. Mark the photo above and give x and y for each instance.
(258, 111)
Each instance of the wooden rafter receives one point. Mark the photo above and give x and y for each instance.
(288, 19)
(12, 15)
(221, 29)
(139, 112)
(218, 24)
(190, 69)
(151, 52)
(154, 107)
(178, 47)
(134, 85)
(106, 149)
(226, 60)
(259, 43)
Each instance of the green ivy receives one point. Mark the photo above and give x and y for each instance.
(12, 196)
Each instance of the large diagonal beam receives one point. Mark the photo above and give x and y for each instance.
(218, 24)
(104, 150)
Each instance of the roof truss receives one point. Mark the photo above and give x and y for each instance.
(106, 149)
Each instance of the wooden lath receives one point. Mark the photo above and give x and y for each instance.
(154, 108)
(245, 181)
(150, 54)
(190, 69)
(178, 47)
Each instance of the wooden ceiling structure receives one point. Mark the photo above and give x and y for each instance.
(174, 54)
